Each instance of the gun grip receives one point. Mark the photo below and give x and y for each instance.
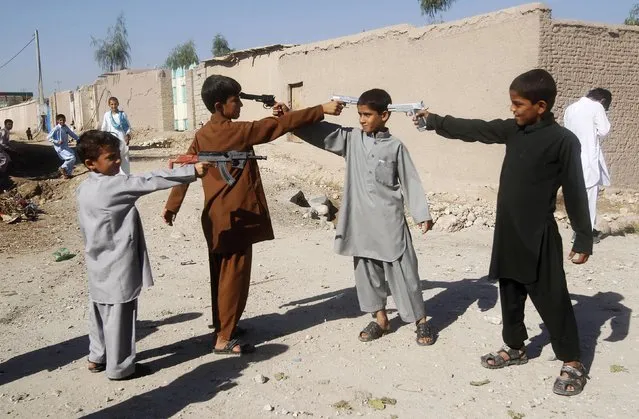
(230, 180)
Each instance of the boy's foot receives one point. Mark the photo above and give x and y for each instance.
(377, 329)
(504, 357)
(96, 367)
(572, 380)
(232, 347)
(141, 370)
(426, 335)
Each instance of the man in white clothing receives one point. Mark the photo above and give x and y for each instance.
(587, 119)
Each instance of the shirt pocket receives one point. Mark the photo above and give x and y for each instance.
(385, 172)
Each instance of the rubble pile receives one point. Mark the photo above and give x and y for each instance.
(21, 203)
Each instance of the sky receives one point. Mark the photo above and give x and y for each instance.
(155, 27)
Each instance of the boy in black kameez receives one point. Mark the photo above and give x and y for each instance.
(527, 258)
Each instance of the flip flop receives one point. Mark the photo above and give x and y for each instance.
(374, 332)
(245, 348)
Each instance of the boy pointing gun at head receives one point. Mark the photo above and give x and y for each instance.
(372, 228)
(541, 156)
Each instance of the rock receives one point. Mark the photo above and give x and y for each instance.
(493, 320)
(449, 223)
(318, 200)
(471, 217)
(300, 200)
(260, 379)
(29, 190)
(322, 210)
(623, 211)
(268, 408)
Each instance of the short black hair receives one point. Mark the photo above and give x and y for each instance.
(113, 98)
(376, 99)
(93, 142)
(536, 85)
(601, 95)
(6, 121)
(60, 116)
(217, 88)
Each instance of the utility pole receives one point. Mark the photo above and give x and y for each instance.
(41, 109)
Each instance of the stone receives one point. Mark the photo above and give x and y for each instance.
(268, 408)
(300, 200)
(322, 210)
(260, 379)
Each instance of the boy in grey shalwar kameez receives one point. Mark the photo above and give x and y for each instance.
(372, 227)
(115, 251)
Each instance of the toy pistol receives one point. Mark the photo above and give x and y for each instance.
(410, 109)
(268, 101)
(349, 100)
(237, 159)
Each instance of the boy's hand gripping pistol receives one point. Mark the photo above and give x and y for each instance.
(237, 159)
(410, 109)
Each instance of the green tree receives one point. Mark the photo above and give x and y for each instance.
(220, 46)
(633, 17)
(431, 8)
(182, 56)
(113, 53)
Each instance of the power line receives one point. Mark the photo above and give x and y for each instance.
(23, 48)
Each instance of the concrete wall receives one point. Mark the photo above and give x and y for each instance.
(24, 115)
(583, 56)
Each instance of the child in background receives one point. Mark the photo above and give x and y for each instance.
(117, 123)
(115, 250)
(59, 136)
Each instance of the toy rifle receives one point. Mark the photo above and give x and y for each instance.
(267, 100)
(237, 159)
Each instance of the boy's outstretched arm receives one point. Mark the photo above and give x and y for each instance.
(324, 135)
(176, 197)
(130, 188)
(576, 199)
(469, 130)
(271, 128)
(413, 190)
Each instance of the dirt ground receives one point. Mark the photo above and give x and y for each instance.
(303, 315)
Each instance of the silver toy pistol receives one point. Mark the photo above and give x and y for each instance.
(410, 109)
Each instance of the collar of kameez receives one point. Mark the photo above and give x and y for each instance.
(218, 117)
(547, 120)
(380, 135)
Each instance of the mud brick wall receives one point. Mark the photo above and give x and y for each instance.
(582, 56)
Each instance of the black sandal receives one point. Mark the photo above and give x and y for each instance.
(96, 367)
(373, 331)
(424, 330)
(245, 348)
(577, 378)
(516, 357)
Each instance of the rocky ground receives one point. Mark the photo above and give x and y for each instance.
(302, 313)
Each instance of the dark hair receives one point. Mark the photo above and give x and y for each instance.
(217, 88)
(60, 116)
(93, 142)
(6, 121)
(601, 95)
(536, 85)
(113, 98)
(376, 99)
